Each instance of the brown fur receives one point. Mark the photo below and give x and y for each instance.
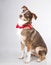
(34, 41)
(22, 46)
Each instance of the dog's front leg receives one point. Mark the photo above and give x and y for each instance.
(22, 51)
(28, 58)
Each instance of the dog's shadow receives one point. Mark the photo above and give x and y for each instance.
(34, 58)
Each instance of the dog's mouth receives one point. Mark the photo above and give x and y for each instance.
(24, 18)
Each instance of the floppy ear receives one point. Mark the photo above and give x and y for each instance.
(34, 15)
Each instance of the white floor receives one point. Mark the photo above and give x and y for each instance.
(11, 58)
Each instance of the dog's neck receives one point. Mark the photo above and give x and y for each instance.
(27, 25)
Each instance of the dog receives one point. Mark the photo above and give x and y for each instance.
(31, 41)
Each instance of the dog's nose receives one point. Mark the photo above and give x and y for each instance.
(20, 16)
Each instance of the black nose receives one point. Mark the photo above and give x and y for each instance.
(20, 16)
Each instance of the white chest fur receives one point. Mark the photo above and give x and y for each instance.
(19, 33)
(21, 38)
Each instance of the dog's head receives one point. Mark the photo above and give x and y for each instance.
(26, 15)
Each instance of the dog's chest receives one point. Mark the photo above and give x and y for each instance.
(19, 31)
(21, 37)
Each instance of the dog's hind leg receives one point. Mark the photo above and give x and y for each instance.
(40, 53)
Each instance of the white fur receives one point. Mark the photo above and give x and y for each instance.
(28, 57)
(21, 21)
(24, 52)
(21, 56)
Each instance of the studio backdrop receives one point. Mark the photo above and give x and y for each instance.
(9, 41)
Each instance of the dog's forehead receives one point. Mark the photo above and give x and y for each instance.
(28, 13)
(25, 12)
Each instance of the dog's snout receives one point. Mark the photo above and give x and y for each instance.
(20, 16)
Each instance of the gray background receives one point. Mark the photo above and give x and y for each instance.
(9, 41)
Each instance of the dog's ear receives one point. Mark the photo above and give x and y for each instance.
(34, 16)
(24, 8)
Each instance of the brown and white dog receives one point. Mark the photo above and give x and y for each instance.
(31, 41)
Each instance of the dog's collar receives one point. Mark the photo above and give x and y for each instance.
(24, 26)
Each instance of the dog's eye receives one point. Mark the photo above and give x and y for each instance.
(20, 16)
(22, 11)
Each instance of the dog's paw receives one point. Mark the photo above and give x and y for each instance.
(20, 57)
(27, 61)
(40, 59)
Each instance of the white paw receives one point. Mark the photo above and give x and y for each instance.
(38, 60)
(27, 61)
(20, 57)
